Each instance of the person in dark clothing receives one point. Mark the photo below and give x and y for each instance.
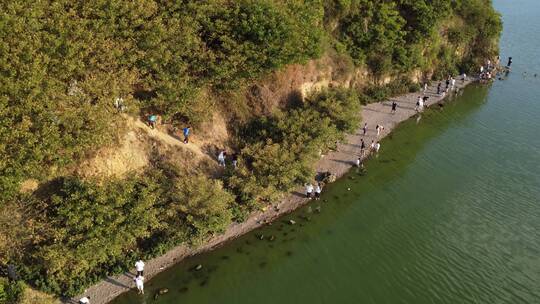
(439, 88)
(394, 107)
(362, 148)
(509, 62)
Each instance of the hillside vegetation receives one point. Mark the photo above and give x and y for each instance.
(64, 63)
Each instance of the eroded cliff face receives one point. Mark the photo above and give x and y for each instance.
(298, 81)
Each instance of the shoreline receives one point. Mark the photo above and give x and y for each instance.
(337, 162)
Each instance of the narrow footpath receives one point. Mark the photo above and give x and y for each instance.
(337, 162)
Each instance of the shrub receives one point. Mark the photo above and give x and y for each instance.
(10, 292)
(96, 228)
(281, 150)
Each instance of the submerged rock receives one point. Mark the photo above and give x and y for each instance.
(198, 267)
(292, 222)
(163, 291)
(183, 289)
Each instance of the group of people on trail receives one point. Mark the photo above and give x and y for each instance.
(374, 146)
(487, 71)
(152, 121)
(313, 192)
(222, 156)
(138, 279)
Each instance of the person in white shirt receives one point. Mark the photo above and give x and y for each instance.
(139, 282)
(221, 158)
(139, 266)
(418, 103)
(372, 146)
(453, 83)
(377, 147)
(379, 129)
(309, 190)
(84, 300)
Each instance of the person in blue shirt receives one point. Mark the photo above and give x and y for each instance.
(152, 121)
(186, 134)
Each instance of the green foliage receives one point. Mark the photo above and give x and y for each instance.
(392, 36)
(374, 35)
(64, 63)
(482, 28)
(10, 292)
(91, 229)
(58, 82)
(188, 45)
(196, 208)
(378, 93)
(282, 149)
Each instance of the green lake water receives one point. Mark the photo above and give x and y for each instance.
(448, 213)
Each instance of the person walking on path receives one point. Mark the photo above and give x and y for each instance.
(379, 128)
(309, 190)
(221, 158)
(318, 191)
(447, 84)
(509, 62)
(186, 134)
(362, 148)
(394, 107)
(453, 83)
(377, 147)
(139, 283)
(235, 160)
(84, 300)
(139, 266)
(419, 104)
(364, 129)
(464, 77)
(425, 87)
(372, 146)
(439, 88)
(152, 121)
(358, 162)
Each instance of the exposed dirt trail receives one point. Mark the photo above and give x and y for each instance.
(338, 162)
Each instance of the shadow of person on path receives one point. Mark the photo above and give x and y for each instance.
(119, 284)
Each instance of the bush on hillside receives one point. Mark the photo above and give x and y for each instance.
(282, 149)
(94, 228)
(10, 292)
